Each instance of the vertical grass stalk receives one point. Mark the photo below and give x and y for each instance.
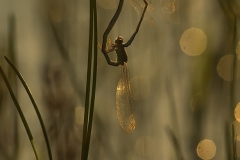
(34, 105)
(87, 95)
(94, 76)
(19, 111)
(91, 81)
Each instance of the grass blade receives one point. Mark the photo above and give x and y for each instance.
(19, 110)
(34, 105)
(89, 108)
(84, 154)
(94, 76)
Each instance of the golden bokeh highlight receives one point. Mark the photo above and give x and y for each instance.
(225, 67)
(237, 112)
(206, 149)
(145, 146)
(193, 41)
(169, 7)
(140, 88)
(79, 115)
(108, 4)
(238, 50)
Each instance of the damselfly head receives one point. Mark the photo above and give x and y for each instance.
(119, 40)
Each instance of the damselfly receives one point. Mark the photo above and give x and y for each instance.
(124, 106)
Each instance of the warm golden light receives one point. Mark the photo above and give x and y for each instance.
(193, 42)
(225, 67)
(140, 88)
(145, 146)
(169, 7)
(206, 149)
(108, 4)
(237, 112)
(238, 50)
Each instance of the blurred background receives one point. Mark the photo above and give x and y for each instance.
(184, 75)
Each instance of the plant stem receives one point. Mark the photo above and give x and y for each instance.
(94, 77)
(19, 110)
(84, 154)
(34, 105)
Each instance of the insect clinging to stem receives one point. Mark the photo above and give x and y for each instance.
(124, 106)
(118, 45)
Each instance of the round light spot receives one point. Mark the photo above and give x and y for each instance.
(206, 149)
(79, 115)
(169, 8)
(225, 67)
(237, 112)
(193, 42)
(238, 50)
(108, 4)
(140, 88)
(145, 146)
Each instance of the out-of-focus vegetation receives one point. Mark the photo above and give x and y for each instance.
(184, 76)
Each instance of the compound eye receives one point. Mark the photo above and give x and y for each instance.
(120, 39)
